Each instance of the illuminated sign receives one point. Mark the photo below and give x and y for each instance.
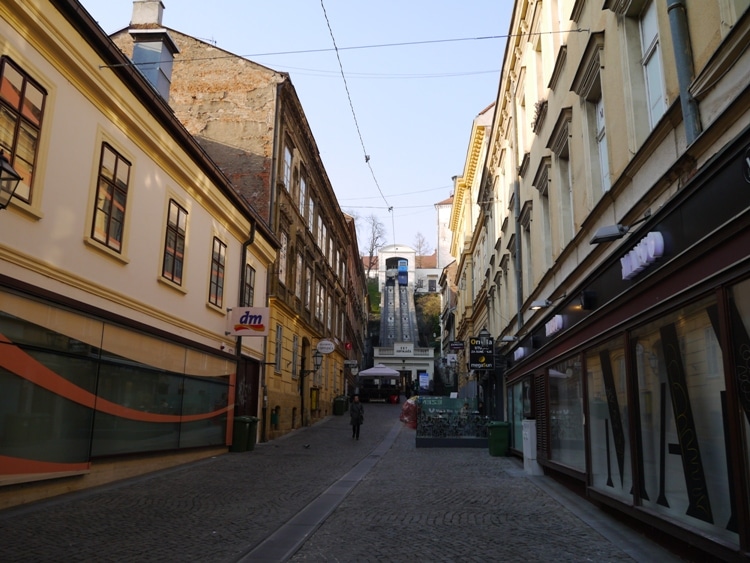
(555, 324)
(645, 253)
(481, 357)
(248, 321)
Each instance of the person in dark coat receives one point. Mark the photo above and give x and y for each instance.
(357, 415)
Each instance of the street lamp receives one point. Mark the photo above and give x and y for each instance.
(544, 303)
(484, 337)
(9, 180)
(609, 233)
(317, 361)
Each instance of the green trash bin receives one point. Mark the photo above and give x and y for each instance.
(241, 434)
(339, 405)
(252, 432)
(498, 437)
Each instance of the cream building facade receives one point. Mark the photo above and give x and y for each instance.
(613, 229)
(469, 242)
(120, 254)
(249, 119)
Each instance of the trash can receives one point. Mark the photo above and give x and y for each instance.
(252, 432)
(240, 434)
(498, 437)
(339, 405)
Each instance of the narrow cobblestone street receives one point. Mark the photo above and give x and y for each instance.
(407, 504)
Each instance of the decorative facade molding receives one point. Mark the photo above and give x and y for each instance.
(541, 178)
(559, 137)
(557, 71)
(588, 71)
(540, 112)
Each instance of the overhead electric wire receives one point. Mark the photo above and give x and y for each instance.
(354, 116)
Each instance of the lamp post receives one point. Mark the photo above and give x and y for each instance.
(485, 341)
(9, 180)
(484, 337)
(317, 361)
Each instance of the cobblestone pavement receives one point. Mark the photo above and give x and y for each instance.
(424, 504)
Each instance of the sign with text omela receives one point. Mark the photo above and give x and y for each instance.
(248, 321)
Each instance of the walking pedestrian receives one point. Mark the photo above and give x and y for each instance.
(357, 415)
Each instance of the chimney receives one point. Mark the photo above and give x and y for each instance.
(153, 49)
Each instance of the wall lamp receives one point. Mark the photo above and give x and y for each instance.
(614, 232)
(317, 361)
(544, 303)
(9, 180)
(484, 338)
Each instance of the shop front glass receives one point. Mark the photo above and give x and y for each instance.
(609, 420)
(739, 308)
(682, 403)
(566, 414)
(515, 402)
(75, 387)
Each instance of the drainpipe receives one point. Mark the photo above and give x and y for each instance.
(517, 213)
(683, 55)
(241, 301)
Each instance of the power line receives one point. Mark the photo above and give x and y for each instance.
(354, 114)
(351, 48)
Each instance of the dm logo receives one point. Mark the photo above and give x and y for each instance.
(250, 322)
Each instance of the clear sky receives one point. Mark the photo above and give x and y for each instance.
(413, 105)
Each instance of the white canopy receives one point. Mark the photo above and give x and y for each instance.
(380, 370)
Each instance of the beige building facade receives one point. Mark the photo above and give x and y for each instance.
(120, 253)
(250, 121)
(614, 225)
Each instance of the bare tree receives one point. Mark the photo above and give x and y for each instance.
(374, 237)
(422, 248)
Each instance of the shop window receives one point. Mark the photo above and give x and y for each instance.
(610, 469)
(566, 414)
(739, 307)
(516, 414)
(682, 411)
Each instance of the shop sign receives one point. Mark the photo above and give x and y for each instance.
(645, 253)
(403, 349)
(481, 357)
(248, 321)
(555, 324)
(457, 345)
(519, 353)
(325, 346)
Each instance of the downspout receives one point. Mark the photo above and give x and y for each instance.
(241, 301)
(683, 55)
(517, 214)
